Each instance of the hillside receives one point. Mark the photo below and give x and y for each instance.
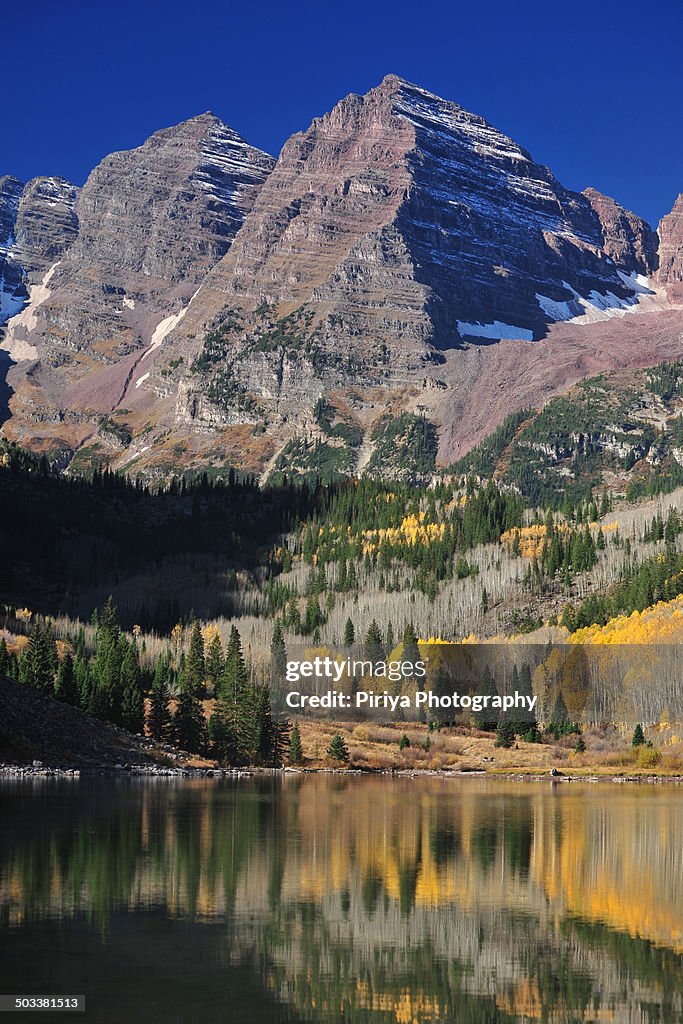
(619, 430)
(35, 726)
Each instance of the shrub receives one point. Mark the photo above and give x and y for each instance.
(648, 757)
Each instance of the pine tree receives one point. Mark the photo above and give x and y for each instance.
(66, 687)
(337, 749)
(411, 651)
(195, 665)
(349, 633)
(278, 654)
(638, 738)
(560, 724)
(133, 709)
(214, 659)
(234, 677)
(296, 753)
(39, 661)
(272, 736)
(188, 720)
(505, 733)
(485, 719)
(159, 717)
(390, 637)
(374, 642)
(4, 657)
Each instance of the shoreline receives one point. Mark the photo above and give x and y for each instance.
(26, 771)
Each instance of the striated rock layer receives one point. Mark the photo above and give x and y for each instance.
(394, 259)
(418, 222)
(670, 273)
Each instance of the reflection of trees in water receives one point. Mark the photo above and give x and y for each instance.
(417, 899)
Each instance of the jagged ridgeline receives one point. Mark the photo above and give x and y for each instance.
(622, 431)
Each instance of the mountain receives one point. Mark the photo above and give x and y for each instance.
(403, 263)
(38, 223)
(670, 273)
(403, 214)
(151, 222)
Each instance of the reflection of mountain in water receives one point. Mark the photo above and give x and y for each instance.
(378, 900)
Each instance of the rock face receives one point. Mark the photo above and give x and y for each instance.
(37, 225)
(416, 221)
(46, 224)
(670, 272)
(13, 292)
(214, 299)
(152, 221)
(627, 239)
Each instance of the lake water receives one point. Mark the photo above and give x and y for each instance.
(344, 899)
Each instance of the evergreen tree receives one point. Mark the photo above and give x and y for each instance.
(505, 733)
(159, 717)
(349, 633)
(560, 724)
(390, 637)
(214, 659)
(221, 733)
(296, 753)
(374, 648)
(188, 720)
(278, 654)
(66, 686)
(337, 749)
(272, 736)
(486, 719)
(4, 657)
(195, 665)
(411, 651)
(39, 661)
(234, 677)
(133, 708)
(638, 738)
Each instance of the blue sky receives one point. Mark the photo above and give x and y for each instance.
(591, 89)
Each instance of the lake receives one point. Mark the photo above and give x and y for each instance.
(344, 899)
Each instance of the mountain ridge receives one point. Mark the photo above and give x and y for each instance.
(395, 249)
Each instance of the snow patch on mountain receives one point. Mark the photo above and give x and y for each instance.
(25, 320)
(597, 306)
(496, 331)
(163, 329)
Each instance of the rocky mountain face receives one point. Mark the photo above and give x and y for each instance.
(151, 223)
(626, 238)
(217, 306)
(670, 273)
(37, 225)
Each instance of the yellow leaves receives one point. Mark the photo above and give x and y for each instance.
(210, 632)
(529, 540)
(23, 614)
(412, 530)
(661, 623)
(4, 459)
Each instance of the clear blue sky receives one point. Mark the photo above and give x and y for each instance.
(593, 89)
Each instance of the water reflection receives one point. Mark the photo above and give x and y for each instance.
(333, 899)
